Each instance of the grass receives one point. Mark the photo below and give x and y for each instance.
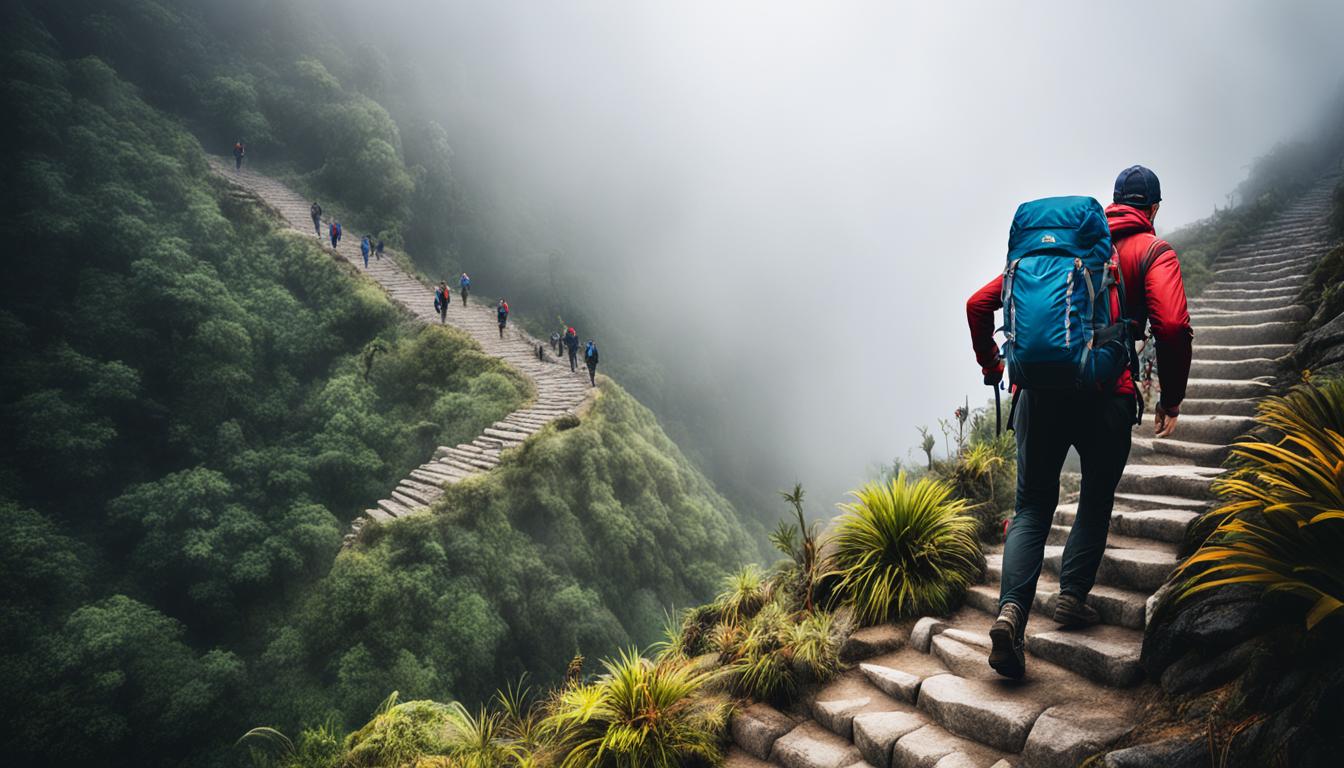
(904, 548)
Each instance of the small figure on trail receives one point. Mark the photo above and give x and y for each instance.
(1142, 282)
(590, 359)
(502, 312)
(379, 249)
(334, 232)
(465, 284)
(316, 212)
(572, 344)
(442, 296)
(555, 343)
(364, 248)
(238, 152)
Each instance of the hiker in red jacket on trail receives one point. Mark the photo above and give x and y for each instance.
(1097, 424)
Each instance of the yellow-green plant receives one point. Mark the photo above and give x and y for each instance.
(770, 656)
(1281, 526)
(401, 734)
(903, 548)
(745, 591)
(639, 714)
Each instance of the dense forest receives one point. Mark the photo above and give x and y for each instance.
(198, 403)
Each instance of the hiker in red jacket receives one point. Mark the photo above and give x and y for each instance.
(1099, 425)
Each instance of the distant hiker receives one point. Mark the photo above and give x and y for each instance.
(364, 249)
(316, 212)
(339, 232)
(502, 312)
(379, 250)
(1140, 284)
(335, 231)
(238, 152)
(442, 297)
(572, 344)
(555, 342)
(590, 359)
(464, 283)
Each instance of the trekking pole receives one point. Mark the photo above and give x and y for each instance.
(998, 413)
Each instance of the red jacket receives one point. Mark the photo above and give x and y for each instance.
(1154, 293)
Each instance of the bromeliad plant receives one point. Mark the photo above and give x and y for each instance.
(1281, 526)
(903, 548)
(640, 713)
(800, 573)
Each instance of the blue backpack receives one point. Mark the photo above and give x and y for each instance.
(1063, 298)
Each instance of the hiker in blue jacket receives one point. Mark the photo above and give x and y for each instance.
(364, 249)
(464, 283)
(590, 359)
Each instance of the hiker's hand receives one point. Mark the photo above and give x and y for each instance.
(993, 373)
(1163, 423)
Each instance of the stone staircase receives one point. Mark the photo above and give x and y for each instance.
(932, 700)
(559, 392)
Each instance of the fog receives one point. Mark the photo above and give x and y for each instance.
(789, 203)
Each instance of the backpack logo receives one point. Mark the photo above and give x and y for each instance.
(1048, 239)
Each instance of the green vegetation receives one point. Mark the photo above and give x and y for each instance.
(638, 712)
(1282, 524)
(904, 548)
(1274, 180)
(198, 403)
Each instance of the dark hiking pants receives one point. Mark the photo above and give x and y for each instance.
(1046, 424)
(573, 360)
(592, 373)
(317, 226)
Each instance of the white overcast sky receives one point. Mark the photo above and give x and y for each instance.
(810, 191)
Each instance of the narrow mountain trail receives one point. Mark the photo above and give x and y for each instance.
(932, 700)
(558, 391)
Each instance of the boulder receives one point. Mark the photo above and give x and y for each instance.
(1210, 623)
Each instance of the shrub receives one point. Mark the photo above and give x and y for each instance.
(639, 714)
(1282, 524)
(902, 549)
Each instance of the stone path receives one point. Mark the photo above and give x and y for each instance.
(559, 392)
(932, 700)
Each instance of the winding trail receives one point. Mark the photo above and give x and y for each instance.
(931, 700)
(559, 392)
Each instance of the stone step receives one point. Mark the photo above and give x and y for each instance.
(756, 728)
(1149, 450)
(809, 745)
(1142, 502)
(1168, 525)
(1254, 281)
(837, 703)
(1227, 389)
(739, 758)
(415, 505)
(1213, 318)
(1136, 569)
(1240, 352)
(1119, 607)
(1272, 258)
(1249, 368)
(417, 494)
(1103, 653)
(1265, 271)
(978, 710)
(932, 745)
(1254, 333)
(1229, 292)
(394, 508)
(1058, 535)
(1204, 406)
(1203, 303)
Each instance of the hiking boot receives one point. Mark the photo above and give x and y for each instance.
(1007, 657)
(1073, 611)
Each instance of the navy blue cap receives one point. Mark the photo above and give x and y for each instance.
(1139, 186)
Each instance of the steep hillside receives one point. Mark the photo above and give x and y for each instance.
(198, 404)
